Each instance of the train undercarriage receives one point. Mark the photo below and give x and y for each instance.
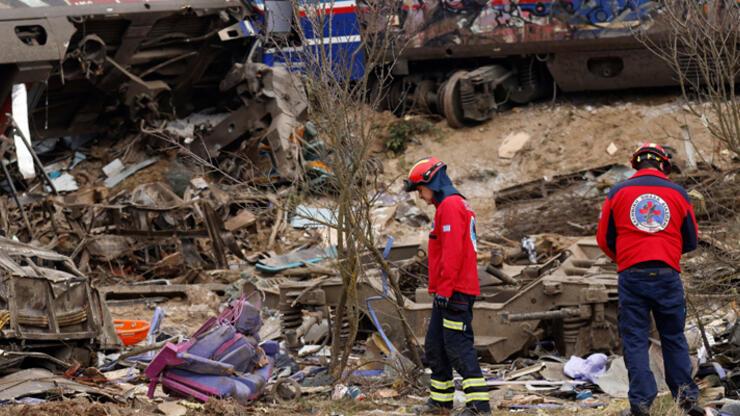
(471, 89)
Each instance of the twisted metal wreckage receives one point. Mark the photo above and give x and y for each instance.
(50, 315)
(570, 298)
(93, 65)
(90, 68)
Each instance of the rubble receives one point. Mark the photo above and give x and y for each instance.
(173, 223)
(544, 296)
(41, 382)
(512, 144)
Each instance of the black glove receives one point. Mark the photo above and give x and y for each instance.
(441, 301)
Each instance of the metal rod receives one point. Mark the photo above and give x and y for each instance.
(537, 316)
(35, 157)
(501, 275)
(14, 193)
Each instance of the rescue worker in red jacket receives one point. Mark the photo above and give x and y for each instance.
(453, 281)
(646, 224)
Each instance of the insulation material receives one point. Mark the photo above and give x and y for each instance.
(20, 116)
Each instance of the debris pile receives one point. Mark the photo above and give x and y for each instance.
(141, 217)
(223, 278)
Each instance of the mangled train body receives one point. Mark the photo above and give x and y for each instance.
(92, 66)
(100, 67)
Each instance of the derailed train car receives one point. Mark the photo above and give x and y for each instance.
(467, 59)
(90, 67)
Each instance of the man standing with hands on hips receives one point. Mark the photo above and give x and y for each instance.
(453, 281)
(646, 224)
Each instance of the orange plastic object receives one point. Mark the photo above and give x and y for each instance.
(131, 331)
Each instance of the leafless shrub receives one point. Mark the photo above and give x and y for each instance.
(343, 83)
(700, 42)
(714, 268)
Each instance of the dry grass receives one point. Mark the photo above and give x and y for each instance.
(321, 406)
(666, 406)
(74, 407)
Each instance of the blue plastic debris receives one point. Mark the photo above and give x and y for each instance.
(584, 394)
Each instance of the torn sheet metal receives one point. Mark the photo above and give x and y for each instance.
(113, 168)
(122, 175)
(274, 105)
(186, 127)
(275, 264)
(39, 381)
(242, 219)
(108, 247)
(311, 217)
(155, 195)
(65, 183)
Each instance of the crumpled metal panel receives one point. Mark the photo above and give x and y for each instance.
(43, 297)
(274, 104)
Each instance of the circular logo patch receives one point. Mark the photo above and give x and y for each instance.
(650, 213)
(473, 234)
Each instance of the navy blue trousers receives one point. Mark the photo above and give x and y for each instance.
(449, 345)
(658, 291)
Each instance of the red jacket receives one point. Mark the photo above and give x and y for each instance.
(453, 263)
(647, 218)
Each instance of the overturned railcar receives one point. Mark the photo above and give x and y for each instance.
(467, 59)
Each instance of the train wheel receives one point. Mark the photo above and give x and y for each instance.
(440, 98)
(452, 105)
(396, 97)
(424, 96)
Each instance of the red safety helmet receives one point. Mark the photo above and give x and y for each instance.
(652, 151)
(422, 173)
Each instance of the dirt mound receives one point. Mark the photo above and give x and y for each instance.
(570, 135)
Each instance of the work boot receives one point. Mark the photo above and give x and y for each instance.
(469, 411)
(630, 412)
(431, 408)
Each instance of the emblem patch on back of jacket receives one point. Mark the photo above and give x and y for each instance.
(650, 213)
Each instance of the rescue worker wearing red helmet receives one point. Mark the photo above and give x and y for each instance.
(453, 281)
(646, 224)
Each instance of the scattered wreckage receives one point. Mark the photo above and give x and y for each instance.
(181, 72)
(547, 298)
(571, 298)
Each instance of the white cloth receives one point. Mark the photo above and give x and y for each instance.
(589, 369)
